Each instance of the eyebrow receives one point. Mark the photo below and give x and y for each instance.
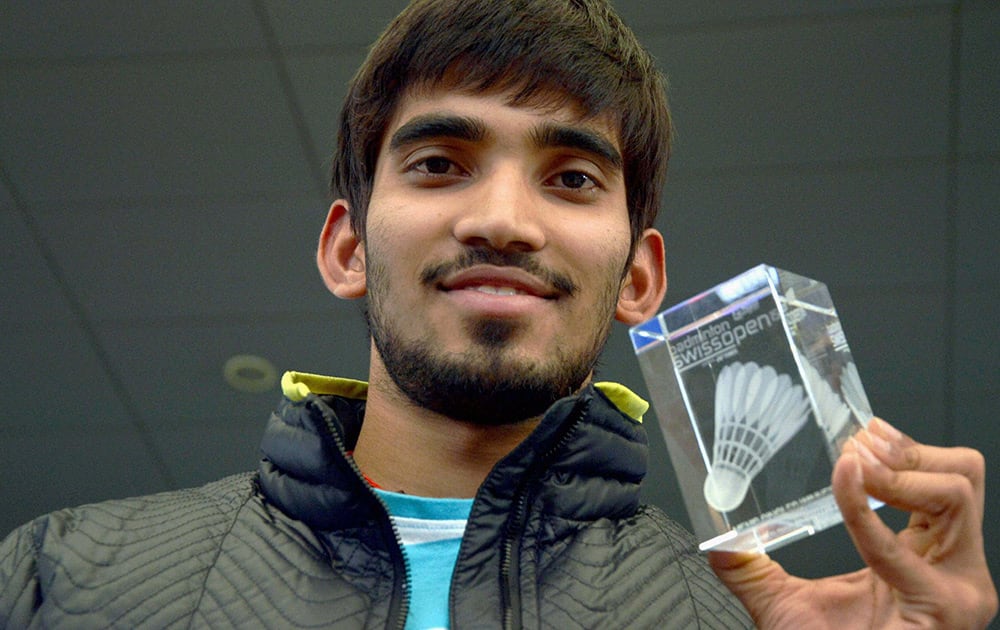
(438, 126)
(467, 128)
(551, 135)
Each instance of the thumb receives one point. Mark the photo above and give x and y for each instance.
(756, 579)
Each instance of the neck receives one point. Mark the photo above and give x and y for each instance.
(405, 448)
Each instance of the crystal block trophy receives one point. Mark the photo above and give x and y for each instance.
(756, 392)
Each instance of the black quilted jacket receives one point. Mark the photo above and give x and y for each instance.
(556, 539)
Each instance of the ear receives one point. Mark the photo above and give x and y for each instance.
(340, 256)
(645, 282)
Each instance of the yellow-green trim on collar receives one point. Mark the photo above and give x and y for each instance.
(297, 385)
(627, 401)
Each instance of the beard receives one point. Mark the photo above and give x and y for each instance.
(488, 383)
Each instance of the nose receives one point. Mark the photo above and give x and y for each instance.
(503, 212)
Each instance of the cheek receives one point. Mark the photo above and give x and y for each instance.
(405, 222)
(602, 249)
(391, 236)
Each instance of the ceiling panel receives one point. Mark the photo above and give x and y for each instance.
(782, 93)
(174, 371)
(330, 24)
(809, 221)
(897, 338)
(976, 343)
(975, 375)
(979, 121)
(52, 377)
(190, 259)
(56, 469)
(198, 452)
(973, 410)
(6, 201)
(920, 414)
(320, 84)
(61, 28)
(653, 17)
(29, 293)
(137, 129)
(977, 223)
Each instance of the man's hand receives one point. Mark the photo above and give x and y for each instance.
(933, 574)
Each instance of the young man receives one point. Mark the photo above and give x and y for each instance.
(499, 167)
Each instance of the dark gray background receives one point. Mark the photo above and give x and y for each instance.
(162, 185)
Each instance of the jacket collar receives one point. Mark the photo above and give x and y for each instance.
(585, 460)
(296, 386)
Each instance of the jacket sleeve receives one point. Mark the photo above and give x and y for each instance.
(714, 605)
(20, 593)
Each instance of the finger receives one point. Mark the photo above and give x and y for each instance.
(909, 453)
(877, 544)
(933, 494)
(755, 579)
(900, 452)
(946, 521)
(887, 431)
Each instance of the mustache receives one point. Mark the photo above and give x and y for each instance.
(487, 256)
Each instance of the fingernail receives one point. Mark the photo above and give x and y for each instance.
(859, 477)
(887, 429)
(866, 452)
(879, 444)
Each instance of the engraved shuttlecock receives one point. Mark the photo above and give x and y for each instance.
(854, 394)
(832, 414)
(757, 411)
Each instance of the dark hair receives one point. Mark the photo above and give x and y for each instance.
(544, 52)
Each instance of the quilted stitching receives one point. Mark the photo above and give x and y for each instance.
(193, 558)
(240, 553)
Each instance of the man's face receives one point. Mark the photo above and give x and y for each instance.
(496, 241)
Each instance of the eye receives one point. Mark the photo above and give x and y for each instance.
(436, 166)
(575, 184)
(575, 180)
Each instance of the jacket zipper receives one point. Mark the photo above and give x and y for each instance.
(511, 542)
(399, 606)
(399, 602)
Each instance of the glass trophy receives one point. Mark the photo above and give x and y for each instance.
(756, 393)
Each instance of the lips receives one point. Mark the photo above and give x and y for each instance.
(499, 281)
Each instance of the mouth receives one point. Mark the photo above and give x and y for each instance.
(497, 275)
(499, 281)
(492, 290)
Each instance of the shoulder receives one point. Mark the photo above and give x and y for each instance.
(135, 545)
(127, 518)
(143, 518)
(162, 521)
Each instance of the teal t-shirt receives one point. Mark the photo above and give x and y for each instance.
(431, 531)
